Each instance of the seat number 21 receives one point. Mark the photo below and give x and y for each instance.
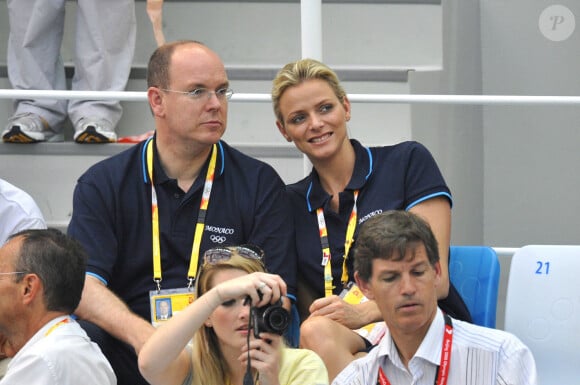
(543, 268)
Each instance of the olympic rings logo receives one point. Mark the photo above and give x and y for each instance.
(217, 238)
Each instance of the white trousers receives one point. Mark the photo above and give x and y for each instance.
(104, 45)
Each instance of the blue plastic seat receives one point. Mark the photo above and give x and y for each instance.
(474, 271)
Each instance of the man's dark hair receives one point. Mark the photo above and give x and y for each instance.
(388, 236)
(60, 263)
(159, 62)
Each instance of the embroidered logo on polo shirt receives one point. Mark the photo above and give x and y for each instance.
(369, 216)
(219, 233)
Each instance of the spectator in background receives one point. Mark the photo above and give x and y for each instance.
(18, 211)
(42, 273)
(397, 264)
(147, 214)
(349, 183)
(104, 45)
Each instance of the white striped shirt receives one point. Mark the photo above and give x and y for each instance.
(479, 356)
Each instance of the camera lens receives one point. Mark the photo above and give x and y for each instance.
(277, 319)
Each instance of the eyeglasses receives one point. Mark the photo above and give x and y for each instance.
(12, 273)
(218, 254)
(203, 93)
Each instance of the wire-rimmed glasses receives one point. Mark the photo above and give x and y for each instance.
(203, 93)
(12, 273)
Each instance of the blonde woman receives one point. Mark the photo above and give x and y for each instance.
(218, 321)
(349, 184)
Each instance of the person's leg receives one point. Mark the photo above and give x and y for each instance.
(336, 344)
(33, 56)
(104, 47)
(120, 355)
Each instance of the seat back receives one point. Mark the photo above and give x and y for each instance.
(474, 271)
(543, 309)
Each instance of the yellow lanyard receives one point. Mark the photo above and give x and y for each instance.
(192, 272)
(326, 256)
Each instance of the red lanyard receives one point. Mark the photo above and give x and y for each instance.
(443, 369)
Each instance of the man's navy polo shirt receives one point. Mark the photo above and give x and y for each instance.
(112, 219)
(388, 178)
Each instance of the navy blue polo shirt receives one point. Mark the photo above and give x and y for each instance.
(388, 178)
(112, 219)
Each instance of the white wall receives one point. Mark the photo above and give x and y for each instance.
(531, 155)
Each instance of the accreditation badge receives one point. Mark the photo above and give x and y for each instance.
(372, 332)
(164, 304)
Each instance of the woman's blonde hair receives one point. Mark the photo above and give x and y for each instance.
(292, 74)
(208, 363)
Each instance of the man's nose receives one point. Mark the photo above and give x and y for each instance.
(407, 284)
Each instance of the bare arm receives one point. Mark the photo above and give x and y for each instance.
(349, 315)
(437, 212)
(163, 359)
(103, 308)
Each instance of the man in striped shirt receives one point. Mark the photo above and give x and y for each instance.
(397, 264)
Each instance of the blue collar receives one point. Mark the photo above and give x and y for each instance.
(316, 196)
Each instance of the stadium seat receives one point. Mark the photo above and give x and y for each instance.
(474, 271)
(543, 309)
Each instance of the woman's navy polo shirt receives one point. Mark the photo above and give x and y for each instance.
(112, 219)
(388, 178)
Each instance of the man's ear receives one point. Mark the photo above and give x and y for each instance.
(437, 268)
(155, 101)
(363, 285)
(31, 288)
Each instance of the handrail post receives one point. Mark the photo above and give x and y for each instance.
(311, 28)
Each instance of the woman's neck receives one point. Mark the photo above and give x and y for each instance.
(335, 173)
(236, 370)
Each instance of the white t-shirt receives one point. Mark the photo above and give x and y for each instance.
(18, 211)
(60, 353)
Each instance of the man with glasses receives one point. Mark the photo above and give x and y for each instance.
(145, 216)
(18, 211)
(41, 280)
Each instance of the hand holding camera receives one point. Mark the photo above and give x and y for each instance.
(271, 318)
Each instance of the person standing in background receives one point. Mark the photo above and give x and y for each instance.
(104, 45)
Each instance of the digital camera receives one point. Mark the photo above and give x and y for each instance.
(272, 318)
